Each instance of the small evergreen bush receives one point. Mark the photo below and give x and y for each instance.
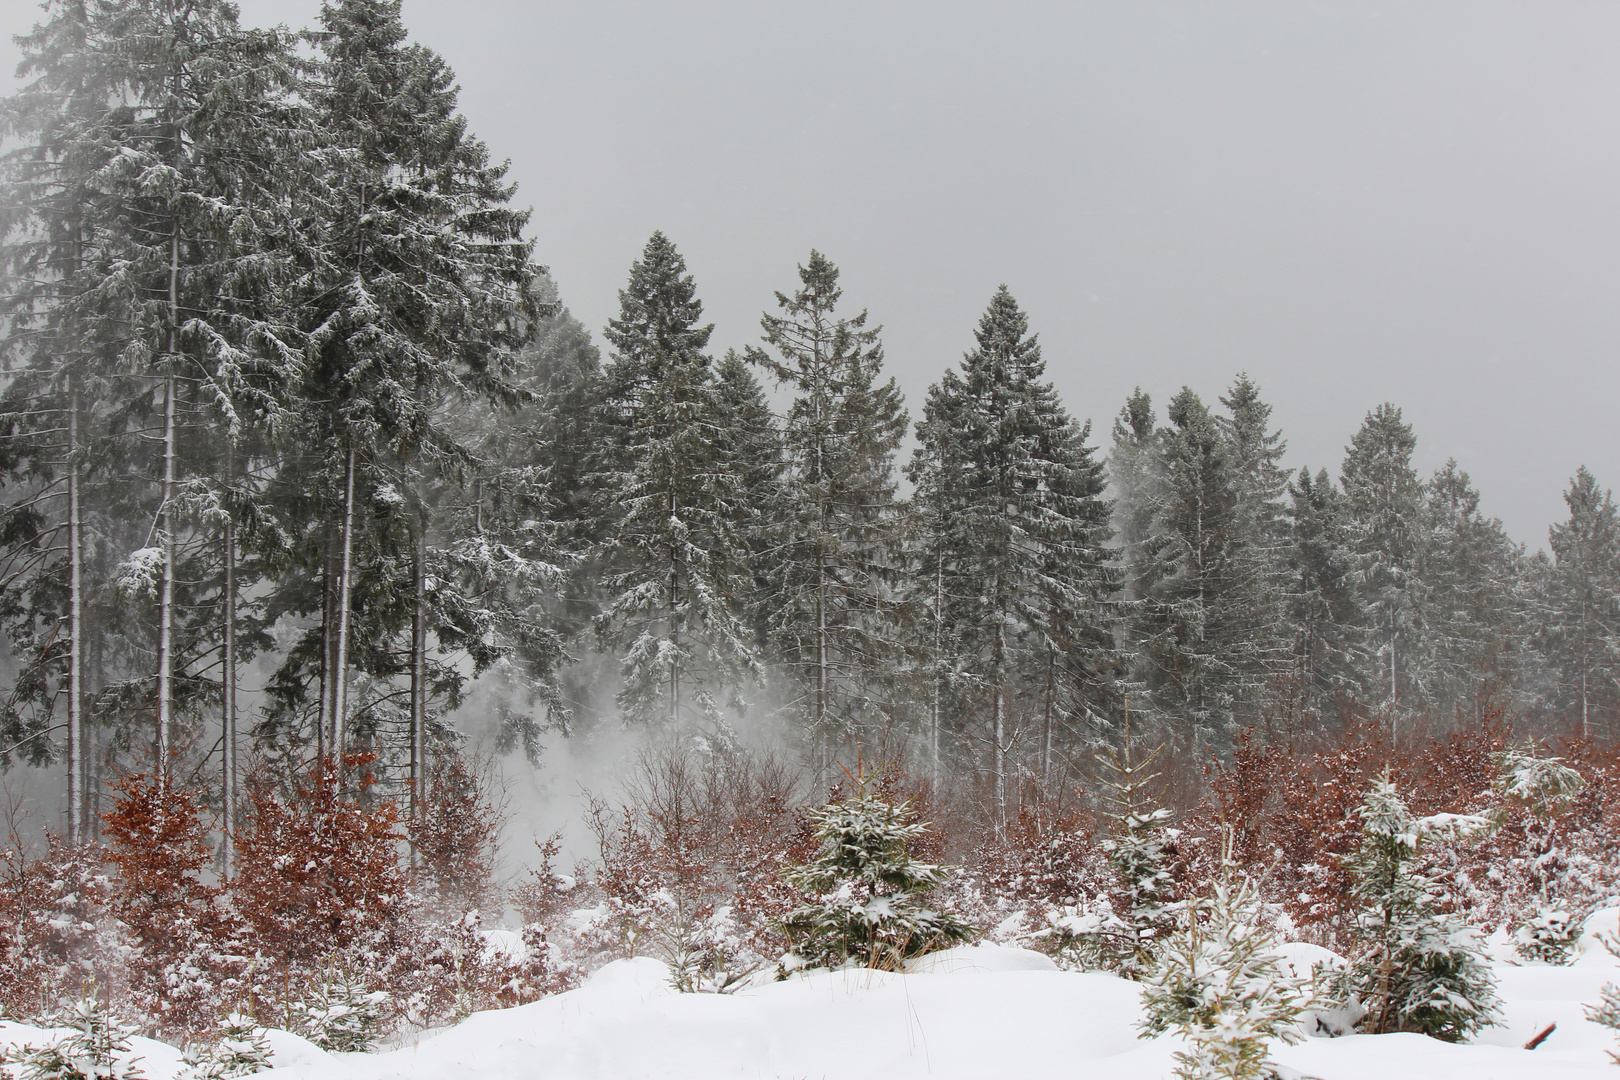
(867, 905)
(1420, 970)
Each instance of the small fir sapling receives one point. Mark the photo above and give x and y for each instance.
(343, 1014)
(1124, 937)
(1607, 1012)
(867, 905)
(1219, 981)
(97, 1047)
(1539, 790)
(1420, 970)
(240, 1049)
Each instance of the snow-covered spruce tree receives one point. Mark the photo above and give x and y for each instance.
(1209, 640)
(673, 563)
(1577, 638)
(1022, 568)
(1419, 969)
(1383, 500)
(1138, 850)
(1133, 476)
(97, 1047)
(834, 523)
(752, 445)
(1323, 606)
(151, 159)
(239, 1048)
(417, 291)
(1219, 981)
(1465, 597)
(518, 521)
(343, 1013)
(1607, 1012)
(1533, 792)
(867, 902)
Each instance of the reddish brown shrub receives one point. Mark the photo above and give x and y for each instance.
(179, 965)
(319, 872)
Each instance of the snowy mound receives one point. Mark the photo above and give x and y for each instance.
(980, 958)
(971, 1013)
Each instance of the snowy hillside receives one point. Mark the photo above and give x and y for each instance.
(974, 1013)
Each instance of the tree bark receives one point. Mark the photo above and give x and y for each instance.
(165, 663)
(228, 678)
(345, 586)
(419, 673)
(75, 673)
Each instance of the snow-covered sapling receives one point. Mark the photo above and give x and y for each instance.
(1220, 982)
(1139, 853)
(1420, 969)
(343, 1014)
(1607, 1012)
(867, 897)
(1539, 790)
(241, 1049)
(96, 1047)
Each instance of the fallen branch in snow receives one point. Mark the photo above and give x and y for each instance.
(1541, 1037)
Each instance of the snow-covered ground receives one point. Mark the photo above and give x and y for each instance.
(978, 1012)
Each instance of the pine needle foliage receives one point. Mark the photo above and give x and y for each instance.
(96, 1047)
(1219, 981)
(867, 902)
(241, 1049)
(1421, 970)
(1139, 852)
(1607, 1012)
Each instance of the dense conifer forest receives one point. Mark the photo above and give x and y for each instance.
(306, 467)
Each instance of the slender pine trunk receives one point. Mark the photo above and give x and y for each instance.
(1051, 693)
(345, 587)
(674, 621)
(323, 719)
(999, 726)
(939, 668)
(419, 673)
(228, 678)
(75, 672)
(820, 710)
(165, 663)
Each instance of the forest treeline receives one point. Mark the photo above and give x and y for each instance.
(290, 406)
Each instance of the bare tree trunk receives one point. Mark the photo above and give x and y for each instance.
(323, 719)
(674, 623)
(340, 669)
(228, 678)
(75, 673)
(999, 725)
(821, 642)
(1051, 692)
(419, 674)
(939, 663)
(165, 676)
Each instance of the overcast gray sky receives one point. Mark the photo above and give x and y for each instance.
(1417, 202)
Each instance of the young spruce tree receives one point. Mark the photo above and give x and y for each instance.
(1419, 969)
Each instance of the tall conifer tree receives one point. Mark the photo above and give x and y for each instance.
(1023, 527)
(1322, 602)
(418, 291)
(675, 571)
(1578, 633)
(1382, 499)
(835, 524)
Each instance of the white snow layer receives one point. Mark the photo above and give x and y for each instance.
(974, 1013)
